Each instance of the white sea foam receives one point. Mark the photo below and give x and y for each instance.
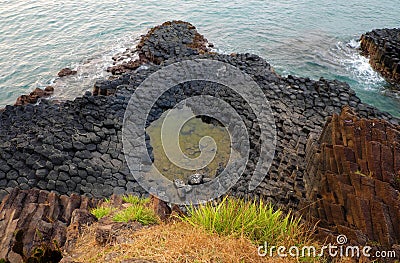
(94, 67)
(353, 43)
(358, 66)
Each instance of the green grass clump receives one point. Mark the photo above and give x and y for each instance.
(255, 220)
(138, 213)
(101, 211)
(135, 200)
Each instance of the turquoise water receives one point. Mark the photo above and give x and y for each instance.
(307, 38)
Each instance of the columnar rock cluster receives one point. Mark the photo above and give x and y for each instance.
(155, 47)
(76, 146)
(353, 179)
(36, 225)
(383, 48)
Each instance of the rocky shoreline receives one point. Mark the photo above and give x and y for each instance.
(76, 146)
(382, 46)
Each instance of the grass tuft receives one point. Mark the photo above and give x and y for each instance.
(254, 220)
(102, 211)
(135, 200)
(138, 213)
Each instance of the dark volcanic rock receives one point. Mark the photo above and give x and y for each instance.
(34, 96)
(171, 40)
(383, 48)
(176, 39)
(161, 208)
(34, 223)
(66, 72)
(353, 179)
(76, 146)
(125, 67)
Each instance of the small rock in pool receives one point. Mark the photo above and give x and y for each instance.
(179, 183)
(195, 179)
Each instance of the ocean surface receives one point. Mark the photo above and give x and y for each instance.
(310, 38)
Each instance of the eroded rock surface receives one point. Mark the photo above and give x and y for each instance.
(353, 180)
(36, 224)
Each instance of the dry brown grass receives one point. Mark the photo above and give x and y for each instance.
(172, 242)
(178, 241)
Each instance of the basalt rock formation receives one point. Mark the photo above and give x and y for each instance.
(352, 180)
(42, 226)
(34, 96)
(76, 146)
(36, 226)
(383, 48)
(155, 46)
(66, 72)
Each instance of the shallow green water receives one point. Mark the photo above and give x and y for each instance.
(191, 145)
(306, 37)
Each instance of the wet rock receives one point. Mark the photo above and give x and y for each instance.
(49, 90)
(66, 72)
(125, 67)
(170, 39)
(34, 96)
(383, 48)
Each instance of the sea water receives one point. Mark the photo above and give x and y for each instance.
(310, 38)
